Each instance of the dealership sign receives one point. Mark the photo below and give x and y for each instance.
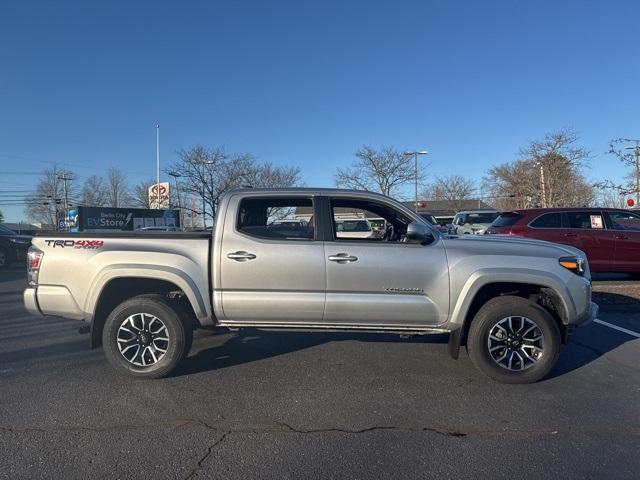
(105, 219)
(159, 195)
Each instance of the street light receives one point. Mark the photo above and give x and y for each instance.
(415, 154)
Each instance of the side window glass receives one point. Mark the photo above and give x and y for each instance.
(625, 221)
(363, 220)
(585, 220)
(278, 218)
(548, 220)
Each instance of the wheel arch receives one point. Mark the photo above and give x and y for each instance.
(541, 288)
(114, 286)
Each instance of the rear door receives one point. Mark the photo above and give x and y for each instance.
(272, 266)
(382, 281)
(586, 231)
(625, 227)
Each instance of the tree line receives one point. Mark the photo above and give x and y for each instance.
(548, 172)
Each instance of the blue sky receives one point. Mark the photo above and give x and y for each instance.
(307, 83)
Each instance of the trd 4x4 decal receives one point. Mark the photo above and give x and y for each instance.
(75, 243)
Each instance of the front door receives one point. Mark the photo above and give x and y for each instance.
(626, 230)
(379, 279)
(272, 267)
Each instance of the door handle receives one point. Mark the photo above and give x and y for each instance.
(621, 237)
(241, 256)
(570, 234)
(342, 258)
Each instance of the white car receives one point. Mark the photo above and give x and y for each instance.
(353, 228)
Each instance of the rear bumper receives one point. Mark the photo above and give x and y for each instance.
(30, 300)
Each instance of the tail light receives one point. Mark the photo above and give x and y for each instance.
(34, 260)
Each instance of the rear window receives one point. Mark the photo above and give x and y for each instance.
(548, 220)
(506, 219)
(284, 218)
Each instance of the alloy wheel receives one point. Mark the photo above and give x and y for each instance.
(516, 343)
(143, 339)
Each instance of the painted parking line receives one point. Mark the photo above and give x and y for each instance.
(615, 327)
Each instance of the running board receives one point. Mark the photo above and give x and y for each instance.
(335, 327)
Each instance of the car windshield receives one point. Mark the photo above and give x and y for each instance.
(6, 231)
(484, 217)
(354, 226)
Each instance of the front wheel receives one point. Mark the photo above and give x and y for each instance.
(145, 337)
(513, 340)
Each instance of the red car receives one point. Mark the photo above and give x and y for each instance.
(610, 237)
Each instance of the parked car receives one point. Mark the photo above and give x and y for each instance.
(13, 247)
(353, 228)
(434, 223)
(609, 237)
(473, 221)
(512, 302)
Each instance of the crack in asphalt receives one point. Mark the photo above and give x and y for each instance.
(206, 456)
(229, 427)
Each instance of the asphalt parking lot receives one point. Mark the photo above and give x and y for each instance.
(257, 404)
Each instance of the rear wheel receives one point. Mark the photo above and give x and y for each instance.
(146, 337)
(513, 340)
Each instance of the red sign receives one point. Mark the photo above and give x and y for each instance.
(630, 202)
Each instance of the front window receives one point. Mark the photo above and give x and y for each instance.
(625, 221)
(364, 220)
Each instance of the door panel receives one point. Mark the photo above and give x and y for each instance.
(281, 281)
(626, 231)
(390, 284)
(598, 243)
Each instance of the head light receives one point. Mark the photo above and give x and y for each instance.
(576, 264)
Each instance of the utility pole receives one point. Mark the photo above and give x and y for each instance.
(158, 166)
(636, 152)
(65, 177)
(415, 154)
(175, 176)
(543, 187)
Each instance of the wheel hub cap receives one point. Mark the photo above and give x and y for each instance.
(143, 339)
(515, 343)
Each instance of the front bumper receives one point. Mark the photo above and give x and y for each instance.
(588, 316)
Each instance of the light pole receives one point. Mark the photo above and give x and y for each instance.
(636, 151)
(415, 154)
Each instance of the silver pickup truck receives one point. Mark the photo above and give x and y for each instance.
(277, 261)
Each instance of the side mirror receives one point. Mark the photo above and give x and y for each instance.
(419, 233)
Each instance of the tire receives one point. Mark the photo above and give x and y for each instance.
(148, 324)
(528, 322)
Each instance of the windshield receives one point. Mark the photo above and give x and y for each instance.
(6, 231)
(484, 217)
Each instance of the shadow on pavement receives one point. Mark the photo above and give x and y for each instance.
(250, 345)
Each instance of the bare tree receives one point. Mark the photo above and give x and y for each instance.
(140, 194)
(383, 170)
(608, 195)
(94, 192)
(46, 202)
(548, 174)
(117, 189)
(211, 172)
(630, 158)
(453, 189)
